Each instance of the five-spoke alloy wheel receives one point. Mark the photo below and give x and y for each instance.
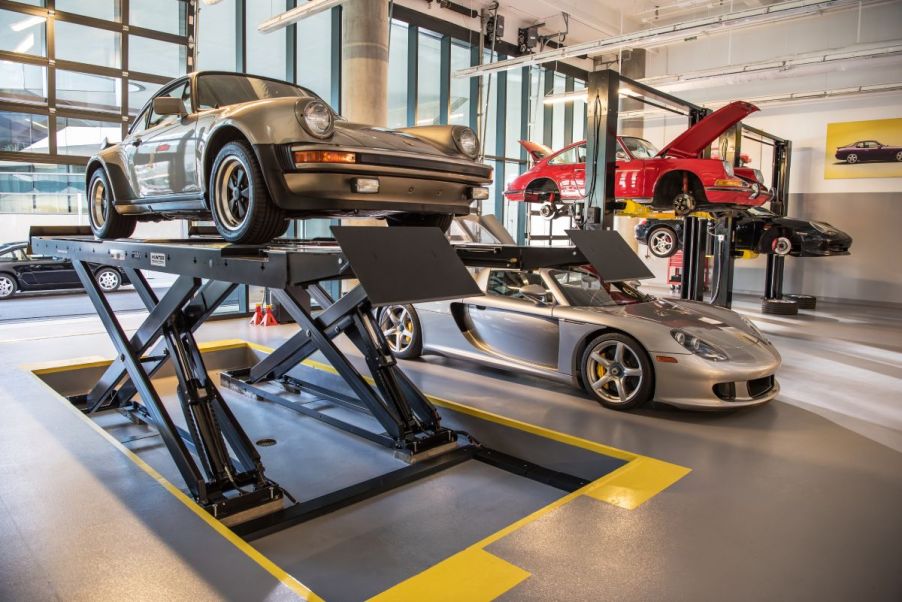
(662, 242)
(239, 201)
(401, 328)
(616, 370)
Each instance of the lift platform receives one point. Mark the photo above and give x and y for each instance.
(218, 462)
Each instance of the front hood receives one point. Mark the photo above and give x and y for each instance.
(275, 119)
(716, 325)
(698, 137)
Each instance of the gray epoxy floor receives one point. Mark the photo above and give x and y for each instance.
(781, 503)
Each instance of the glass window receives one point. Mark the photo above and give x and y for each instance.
(557, 118)
(577, 154)
(220, 90)
(639, 148)
(39, 188)
(87, 45)
(22, 33)
(459, 109)
(314, 62)
(154, 56)
(84, 136)
(508, 283)
(88, 91)
(585, 289)
(164, 16)
(100, 9)
(216, 43)
(513, 133)
(24, 132)
(180, 91)
(140, 123)
(488, 133)
(397, 76)
(429, 75)
(139, 93)
(23, 83)
(266, 52)
(537, 105)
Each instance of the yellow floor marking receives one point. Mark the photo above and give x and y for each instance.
(636, 482)
(471, 575)
(268, 565)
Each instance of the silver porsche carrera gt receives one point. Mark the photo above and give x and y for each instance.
(622, 346)
(251, 152)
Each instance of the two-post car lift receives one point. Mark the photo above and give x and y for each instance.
(217, 460)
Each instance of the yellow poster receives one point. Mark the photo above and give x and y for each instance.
(864, 149)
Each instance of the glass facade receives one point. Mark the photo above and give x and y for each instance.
(429, 77)
(266, 52)
(398, 77)
(314, 58)
(217, 50)
(23, 33)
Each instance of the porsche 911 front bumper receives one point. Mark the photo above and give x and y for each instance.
(403, 184)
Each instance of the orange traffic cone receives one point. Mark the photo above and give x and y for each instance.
(257, 318)
(268, 318)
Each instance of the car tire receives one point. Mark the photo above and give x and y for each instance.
(899, 156)
(242, 209)
(631, 381)
(803, 301)
(106, 222)
(851, 158)
(108, 279)
(401, 328)
(663, 242)
(779, 307)
(8, 286)
(684, 204)
(442, 221)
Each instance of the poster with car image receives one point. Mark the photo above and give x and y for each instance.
(864, 149)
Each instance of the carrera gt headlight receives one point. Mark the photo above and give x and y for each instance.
(317, 119)
(466, 141)
(697, 346)
(753, 329)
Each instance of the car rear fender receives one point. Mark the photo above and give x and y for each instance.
(115, 175)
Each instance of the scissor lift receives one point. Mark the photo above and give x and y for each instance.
(217, 460)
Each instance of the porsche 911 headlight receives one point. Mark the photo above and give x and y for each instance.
(466, 141)
(317, 119)
(697, 346)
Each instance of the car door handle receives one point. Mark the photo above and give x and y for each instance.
(136, 142)
(479, 307)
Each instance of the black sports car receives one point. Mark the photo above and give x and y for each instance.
(664, 237)
(757, 230)
(20, 271)
(868, 150)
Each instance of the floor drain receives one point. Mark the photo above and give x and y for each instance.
(266, 442)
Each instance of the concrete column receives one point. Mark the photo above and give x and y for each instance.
(364, 62)
(632, 65)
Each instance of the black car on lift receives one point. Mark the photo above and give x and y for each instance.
(20, 271)
(758, 230)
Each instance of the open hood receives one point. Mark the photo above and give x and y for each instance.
(697, 138)
(536, 151)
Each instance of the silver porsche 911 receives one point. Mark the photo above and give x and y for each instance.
(624, 347)
(251, 152)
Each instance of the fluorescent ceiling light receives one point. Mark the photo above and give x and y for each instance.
(212, 2)
(296, 14)
(26, 23)
(668, 34)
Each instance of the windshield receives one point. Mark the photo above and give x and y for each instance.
(222, 89)
(639, 148)
(582, 288)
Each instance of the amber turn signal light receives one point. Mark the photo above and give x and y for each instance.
(323, 157)
(666, 359)
(730, 183)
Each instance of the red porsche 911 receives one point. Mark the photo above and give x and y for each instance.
(674, 178)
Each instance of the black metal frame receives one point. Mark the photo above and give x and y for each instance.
(219, 463)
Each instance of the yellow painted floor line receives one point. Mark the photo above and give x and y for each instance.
(472, 574)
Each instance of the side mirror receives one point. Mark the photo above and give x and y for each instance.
(534, 292)
(166, 105)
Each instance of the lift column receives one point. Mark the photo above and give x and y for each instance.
(601, 150)
(773, 301)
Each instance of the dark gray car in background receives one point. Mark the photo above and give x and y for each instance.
(251, 152)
